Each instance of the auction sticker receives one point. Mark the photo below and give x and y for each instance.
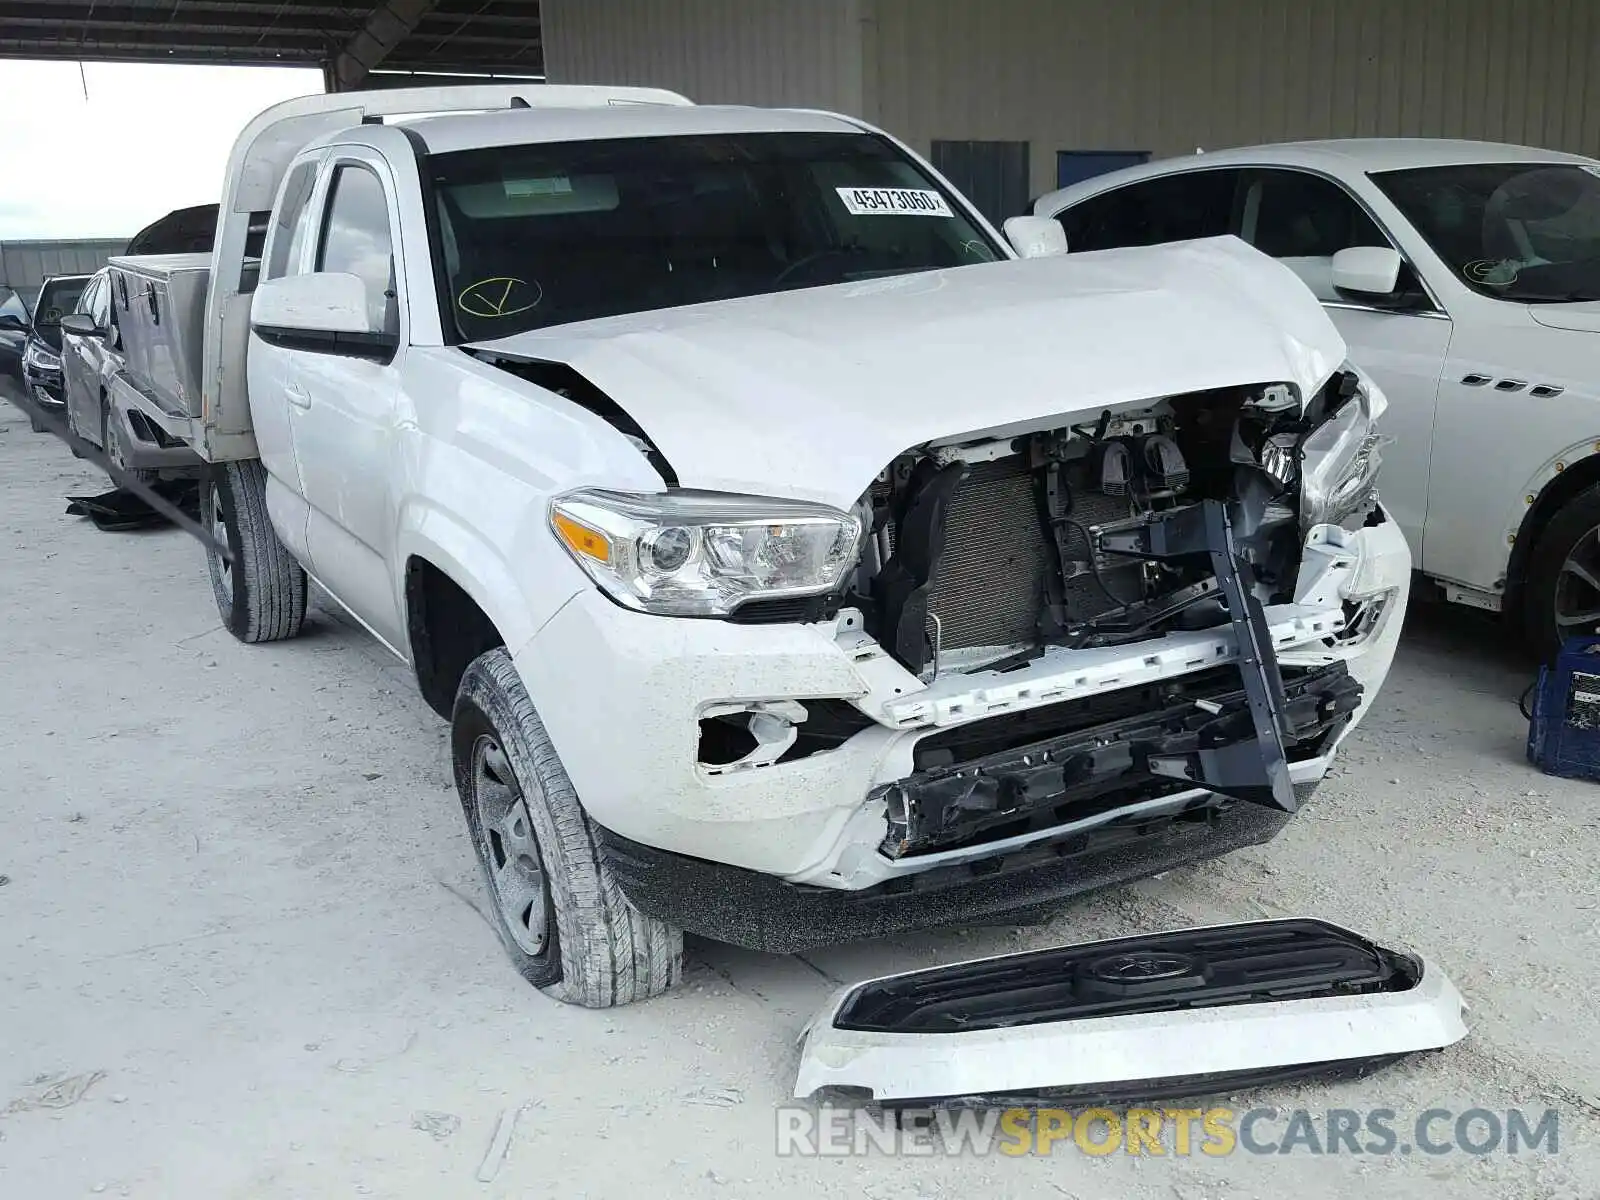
(911, 202)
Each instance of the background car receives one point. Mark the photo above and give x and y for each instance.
(15, 321)
(41, 356)
(91, 366)
(1465, 276)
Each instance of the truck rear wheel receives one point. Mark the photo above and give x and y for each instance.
(260, 589)
(566, 925)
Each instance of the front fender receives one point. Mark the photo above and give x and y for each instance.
(1518, 508)
(516, 604)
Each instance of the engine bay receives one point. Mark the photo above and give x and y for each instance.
(982, 554)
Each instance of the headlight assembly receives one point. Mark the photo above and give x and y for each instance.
(1340, 460)
(702, 554)
(41, 358)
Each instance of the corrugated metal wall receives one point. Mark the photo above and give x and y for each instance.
(24, 265)
(1158, 75)
(1170, 75)
(775, 52)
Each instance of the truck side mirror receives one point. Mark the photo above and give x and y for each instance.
(328, 312)
(13, 322)
(1036, 237)
(1367, 272)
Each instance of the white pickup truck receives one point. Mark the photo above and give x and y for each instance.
(792, 564)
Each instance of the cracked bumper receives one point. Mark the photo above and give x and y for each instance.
(622, 694)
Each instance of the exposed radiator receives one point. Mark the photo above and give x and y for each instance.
(990, 578)
(989, 587)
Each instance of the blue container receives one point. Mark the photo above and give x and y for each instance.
(1564, 734)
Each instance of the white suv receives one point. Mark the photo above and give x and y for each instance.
(1466, 277)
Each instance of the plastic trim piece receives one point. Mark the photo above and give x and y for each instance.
(1176, 1027)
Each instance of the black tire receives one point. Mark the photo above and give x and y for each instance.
(261, 594)
(1549, 583)
(596, 949)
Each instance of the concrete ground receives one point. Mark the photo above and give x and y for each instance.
(240, 907)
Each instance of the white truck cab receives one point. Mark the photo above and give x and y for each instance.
(792, 563)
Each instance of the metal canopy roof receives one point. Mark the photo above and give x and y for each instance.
(345, 40)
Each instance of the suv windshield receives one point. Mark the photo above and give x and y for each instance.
(548, 234)
(1528, 232)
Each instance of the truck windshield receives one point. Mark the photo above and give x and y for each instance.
(1528, 232)
(531, 236)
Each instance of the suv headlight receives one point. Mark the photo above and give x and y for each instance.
(1340, 460)
(41, 358)
(702, 554)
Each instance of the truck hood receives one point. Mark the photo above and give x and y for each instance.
(809, 394)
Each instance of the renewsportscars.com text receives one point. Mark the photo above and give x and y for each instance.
(1178, 1132)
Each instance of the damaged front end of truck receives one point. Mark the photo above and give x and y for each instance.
(955, 639)
(1143, 529)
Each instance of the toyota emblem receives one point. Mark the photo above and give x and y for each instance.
(1141, 968)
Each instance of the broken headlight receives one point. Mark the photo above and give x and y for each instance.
(1340, 460)
(702, 554)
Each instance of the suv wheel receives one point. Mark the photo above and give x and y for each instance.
(260, 589)
(564, 922)
(1561, 598)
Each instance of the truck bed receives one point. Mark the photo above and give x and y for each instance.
(160, 306)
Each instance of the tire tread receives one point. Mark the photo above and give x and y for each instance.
(270, 590)
(610, 953)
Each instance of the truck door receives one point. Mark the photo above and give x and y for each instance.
(342, 404)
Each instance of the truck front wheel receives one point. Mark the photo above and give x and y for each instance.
(566, 925)
(260, 589)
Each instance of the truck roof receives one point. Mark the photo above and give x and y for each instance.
(521, 126)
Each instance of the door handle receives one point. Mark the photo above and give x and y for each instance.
(298, 396)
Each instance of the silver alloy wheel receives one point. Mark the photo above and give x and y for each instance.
(1577, 594)
(219, 534)
(510, 849)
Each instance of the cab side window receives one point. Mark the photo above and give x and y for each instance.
(291, 223)
(356, 238)
(1173, 208)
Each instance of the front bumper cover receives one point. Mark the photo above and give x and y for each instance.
(622, 694)
(762, 912)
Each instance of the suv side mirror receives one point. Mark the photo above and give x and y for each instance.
(1367, 272)
(81, 324)
(1036, 237)
(13, 322)
(327, 311)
